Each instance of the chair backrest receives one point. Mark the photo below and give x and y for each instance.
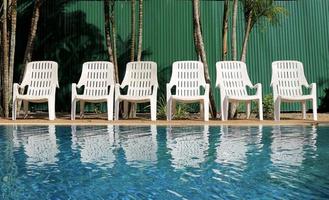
(288, 78)
(232, 78)
(97, 77)
(41, 77)
(140, 78)
(188, 76)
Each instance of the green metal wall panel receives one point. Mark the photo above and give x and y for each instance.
(301, 35)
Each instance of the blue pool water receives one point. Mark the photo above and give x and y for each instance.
(115, 162)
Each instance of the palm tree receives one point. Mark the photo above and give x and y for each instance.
(108, 34)
(254, 12)
(140, 31)
(5, 59)
(8, 43)
(13, 17)
(133, 30)
(201, 51)
(32, 36)
(234, 18)
(225, 29)
(114, 39)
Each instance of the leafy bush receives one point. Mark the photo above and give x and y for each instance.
(181, 109)
(324, 106)
(162, 108)
(268, 106)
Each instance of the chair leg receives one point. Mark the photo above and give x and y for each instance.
(125, 109)
(260, 107)
(206, 110)
(116, 109)
(315, 109)
(224, 109)
(51, 109)
(202, 109)
(133, 110)
(169, 109)
(153, 103)
(173, 107)
(73, 109)
(304, 109)
(109, 109)
(82, 109)
(248, 109)
(26, 108)
(277, 108)
(14, 108)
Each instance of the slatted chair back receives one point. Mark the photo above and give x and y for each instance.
(188, 76)
(232, 78)
(97, 77)
(140, 78)
(288, 78)
(41, 77)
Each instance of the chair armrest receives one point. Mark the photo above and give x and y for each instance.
(16, 86)
(258, 88)
(207, 89)
(77, 85)
(74, 89)
(312, 86)
(117, 89)
(155, 89)
(168, 88)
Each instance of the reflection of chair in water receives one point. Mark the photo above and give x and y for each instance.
(96, 145)
(39, 144)
(288, 145)
(234, 144)
(188, 146)
(140, 144)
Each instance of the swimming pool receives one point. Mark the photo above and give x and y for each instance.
(201, 162)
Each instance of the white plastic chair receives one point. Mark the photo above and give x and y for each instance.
(98, 81)
(141, 79)
(41, 79)
(188, 77)
(232, 80)
(287, 80)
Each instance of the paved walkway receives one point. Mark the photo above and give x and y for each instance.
(93, 119)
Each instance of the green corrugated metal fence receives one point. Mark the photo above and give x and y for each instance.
(301, 35)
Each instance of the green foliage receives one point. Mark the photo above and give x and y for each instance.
(181, 111)
(70, 40)
(1, 111)
(162, 107)
(263, 9)
(324, 106)
(268, 107)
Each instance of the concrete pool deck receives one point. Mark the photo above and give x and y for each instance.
(100, 119)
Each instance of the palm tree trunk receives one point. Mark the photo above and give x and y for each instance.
(12, 45)
(5, 60)
(32, 35)
(233, 107)
(133, 30)
(114, 40)
(246, 38)
(108, 32)
(140, 31)
(234, 40)
(225, 29)
(202, 52)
